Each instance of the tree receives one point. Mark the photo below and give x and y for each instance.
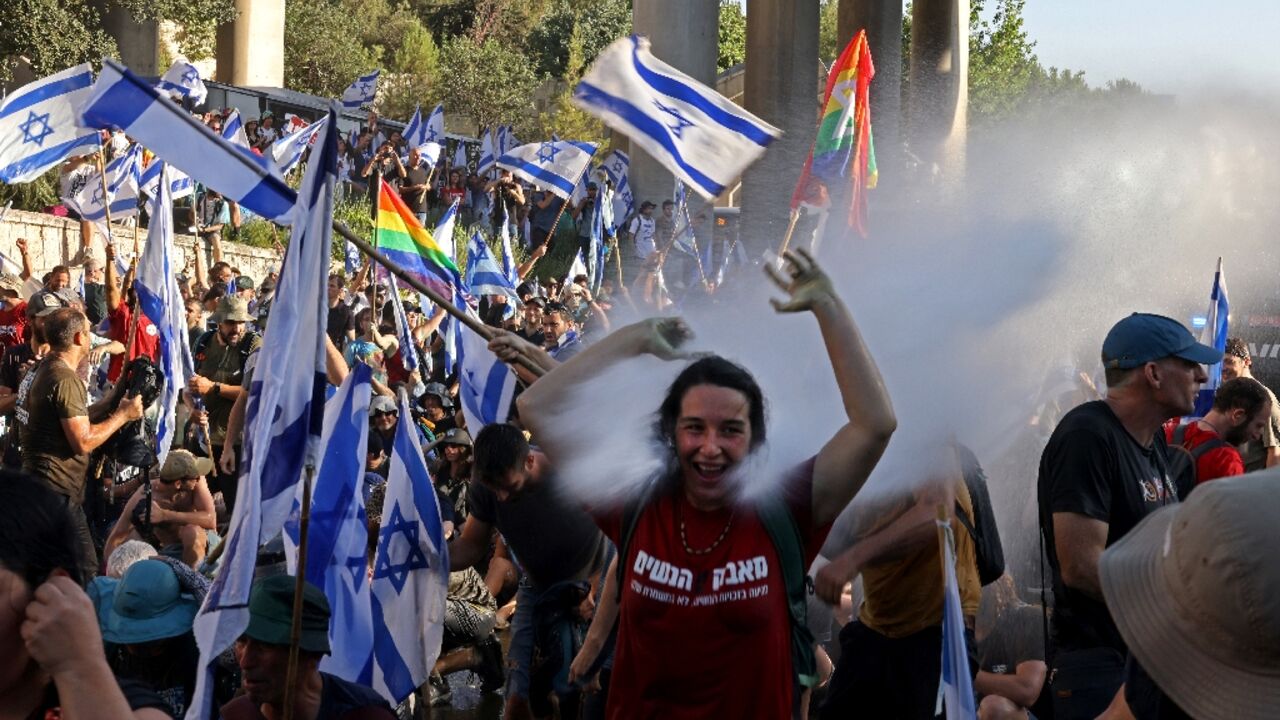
(197, 20)
(490, 82)
(828, 31)
(733, 36)
(52, 35)
(322, 48)
(411, 76)
(567, 120)
(595, 23)
(1002, 62)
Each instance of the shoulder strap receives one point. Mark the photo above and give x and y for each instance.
(1204, 447)
(1179, 435)
(785, 534)
(631, 511)
(202, 342)
(964, 520)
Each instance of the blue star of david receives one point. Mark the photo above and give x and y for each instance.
(35, 129)
(547, 152)
(414, 559)
(681, 122)
(358, 565)
(431, 134)
(96, 200)
(190, 76)
(618, 168)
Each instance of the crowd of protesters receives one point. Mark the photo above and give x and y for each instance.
(686, 600)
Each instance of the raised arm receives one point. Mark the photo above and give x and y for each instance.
(848, 458)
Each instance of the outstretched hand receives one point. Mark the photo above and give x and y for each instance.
(807, 287)
(663, 337)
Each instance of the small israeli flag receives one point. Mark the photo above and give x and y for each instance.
(484, 276)
(556, 166)
(485, 384)
(183, 80)
(40, 124)
(233, 130)
(1214, 335)
(287, 152)
(361, 92)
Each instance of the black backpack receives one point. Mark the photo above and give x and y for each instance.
(982, 527)
(1183, 459)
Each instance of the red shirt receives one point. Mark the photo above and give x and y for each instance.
(145, 342)
(1217, 463)
(708, 635)
(13, 325)
(450, 193)
(396, 371)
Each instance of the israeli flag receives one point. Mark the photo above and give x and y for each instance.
(511, 140)
(287, 152)
(123, 177)
(1214, 335)
(410, 571)
(160, 299)
(485, 386)
(433, 131)
(487, 154)
(554, 165)
(460, 156)
(694, 131)
(351, 258)
(617, 167)
(180, 184)
(444, 231)
(415, 132)
(184, 80)
(955, 690)
(735, 254)
(408, 351)
(509, 268)
(338, 531)
(40, 124)
(233, 130)
(361, 92)
(284, 415)
(121, 99)
(576, 268)
(484, 276)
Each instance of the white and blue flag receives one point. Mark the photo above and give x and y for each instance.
(408, 351)
(160, 299)
(484, 276)
(184, 81)
(443, 233)
(955, 690)
(410, 571)
(180, 184)
(433, 131)
(553, 165)
(460, 157)
(338, 531)
(576, 268)
(487, 155)
(509, 268)
(695, 132)
(123, 178)
(361, 92)
(1214, 335)
(233, 130)
(122, 99)
(486, 385)
(284, 415)
(40, 124)
(415, 131)
(617, 167)
(287, 152)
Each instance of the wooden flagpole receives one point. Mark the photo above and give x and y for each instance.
(300, 575)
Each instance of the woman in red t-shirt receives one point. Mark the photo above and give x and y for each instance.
(704, 628)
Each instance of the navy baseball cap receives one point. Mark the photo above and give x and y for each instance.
(1142, 338)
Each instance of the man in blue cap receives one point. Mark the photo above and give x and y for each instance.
(263, 654)
(1103, 470)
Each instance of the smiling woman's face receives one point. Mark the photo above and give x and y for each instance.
(712, 435)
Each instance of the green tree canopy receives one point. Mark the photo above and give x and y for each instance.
(323, 51)
(490, 82)
(593, 24)
(732, 48)
(52, 35)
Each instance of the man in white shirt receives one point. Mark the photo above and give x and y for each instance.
(642, 231)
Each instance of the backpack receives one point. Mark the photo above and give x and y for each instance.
(787, 542)
(987, 547)
(244, 347)
(1183, 459)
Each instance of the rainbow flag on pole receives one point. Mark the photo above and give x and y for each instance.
(404, 241)
(843, 147)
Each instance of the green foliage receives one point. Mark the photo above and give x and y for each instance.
(198, 20)
(411, 76)
(52, 35)
(260, 233)
(1002, 62)
(593, 24)
(732, 48)
(828, 31)
(323, 51)
(490, 82)
(35, 195)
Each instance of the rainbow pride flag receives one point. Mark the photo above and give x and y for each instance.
(404, 241)
(843, 147)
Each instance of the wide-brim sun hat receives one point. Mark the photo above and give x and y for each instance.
(148, 605)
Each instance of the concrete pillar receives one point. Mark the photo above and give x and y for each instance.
(686, 35)
(138, 40)
(882, 19)
(250, 49)
(938, 91)
(781, 88)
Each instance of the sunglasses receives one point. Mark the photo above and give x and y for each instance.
(384, 413)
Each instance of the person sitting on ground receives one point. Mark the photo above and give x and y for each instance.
(1240, 414)
(1011, 666)
(52, 661)
(263, 654)
(181, 512)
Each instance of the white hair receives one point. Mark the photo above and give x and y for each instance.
(129, 552)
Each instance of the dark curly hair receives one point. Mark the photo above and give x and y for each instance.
(37, 532)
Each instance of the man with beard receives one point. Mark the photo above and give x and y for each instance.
(1104, 469)
(220, 356)
(1240, 413)
(1265, 451)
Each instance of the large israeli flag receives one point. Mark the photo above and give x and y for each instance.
(287, 152)
(484, 276)
(338, 532)
(617, 166)
(698, 134)
(1214, 335)
(410, 571)
(554, 165)
(284, 415)
(485, 385)
(160, 299)
(955, 690)
(361, 92)
(40, 124)
(184, 80)
(122, 99)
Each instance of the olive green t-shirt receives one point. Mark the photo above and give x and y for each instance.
(49, 394)
(222, 364)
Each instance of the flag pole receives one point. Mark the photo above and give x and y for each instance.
(300, 576)
(791, 228)
(106, 200)
(475, 325)
(551, 234)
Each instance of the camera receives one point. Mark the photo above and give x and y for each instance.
(131, 444)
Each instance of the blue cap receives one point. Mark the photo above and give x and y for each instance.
(1142, 338)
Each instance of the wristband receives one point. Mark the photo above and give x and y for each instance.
(217, 390)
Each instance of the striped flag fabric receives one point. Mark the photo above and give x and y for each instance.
(409, 245)
(434, 129)
(444, 231)
(553, 165)
(122, 99)
(484, 275)
(416, 130)
(617, 167)
(284, 414)
(410, 571)
(180, 184)
(183, 80)
(123, 178)
(361, 92)
(233, 130)
(509, 268)
(486, 385)
(460, 157)
(40, 124)
(408, 351)
(487, 154)
(1214, 335)
(287, 152)
(695, 132)
(955, 690)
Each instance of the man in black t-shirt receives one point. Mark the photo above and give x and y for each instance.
(1011, 667)
(341, 326)
(1103, 470)
(416, 185)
